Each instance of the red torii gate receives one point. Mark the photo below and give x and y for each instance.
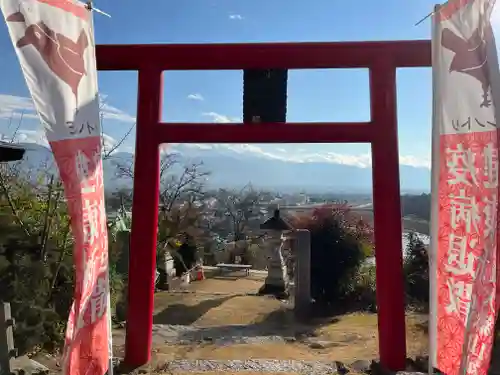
(381, 58)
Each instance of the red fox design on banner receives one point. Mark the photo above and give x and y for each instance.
(67, 63)
(471, 56)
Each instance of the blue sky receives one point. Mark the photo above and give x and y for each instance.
(320, 95)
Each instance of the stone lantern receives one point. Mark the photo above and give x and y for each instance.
(277, 276)
(166, 266)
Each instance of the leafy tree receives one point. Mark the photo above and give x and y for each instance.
(36, 262)
(36, 271)
(36, 251)
(417, 271)
(337, 253)
(364, 296)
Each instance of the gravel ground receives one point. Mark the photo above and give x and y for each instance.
(262, 365)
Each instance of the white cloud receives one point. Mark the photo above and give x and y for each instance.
(235, 17)
(196, 97)
(112, 113)
(12, 106)
(27, 136)
(221, 119)
(362, 161)
(415, 161)
(303, 156)
(200, 146)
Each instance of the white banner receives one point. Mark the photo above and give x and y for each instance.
(54, 42)
(463, 259)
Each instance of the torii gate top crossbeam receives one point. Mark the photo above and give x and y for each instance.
(307, 55)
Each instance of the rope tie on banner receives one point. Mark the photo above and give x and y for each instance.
(488, 6)
(90, 8)
(436, 9)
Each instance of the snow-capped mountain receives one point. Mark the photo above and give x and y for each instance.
(232, 167)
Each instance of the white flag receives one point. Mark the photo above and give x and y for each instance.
(463, 259)
(54, 42)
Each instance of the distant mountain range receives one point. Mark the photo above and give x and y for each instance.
(232, 169)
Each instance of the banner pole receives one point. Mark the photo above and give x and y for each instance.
(108, 286)
(434, 202)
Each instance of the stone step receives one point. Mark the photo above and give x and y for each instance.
(263, 366)
(252, 365)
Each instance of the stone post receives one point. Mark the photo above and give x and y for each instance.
(123, 246)
(302, 275)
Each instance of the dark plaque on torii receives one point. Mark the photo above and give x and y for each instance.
(264, 95)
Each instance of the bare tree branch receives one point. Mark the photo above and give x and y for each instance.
(190, 182)
(15, 213)
(106, 155)
(50, 214)
(240, 207)
(17, 128)
(181, 192)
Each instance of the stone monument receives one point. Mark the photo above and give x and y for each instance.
(122, 245)
(276, 282)
(302, 273)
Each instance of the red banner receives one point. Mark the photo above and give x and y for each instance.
(54, 42)
(464, 232)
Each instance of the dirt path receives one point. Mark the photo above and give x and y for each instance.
(189, 327)
(219, 325)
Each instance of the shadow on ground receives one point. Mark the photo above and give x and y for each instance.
(181, 314)
(280, 323)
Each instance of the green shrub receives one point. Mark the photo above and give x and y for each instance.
(416, 268)
(363, 297)
(36, 262)
(337, 254)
